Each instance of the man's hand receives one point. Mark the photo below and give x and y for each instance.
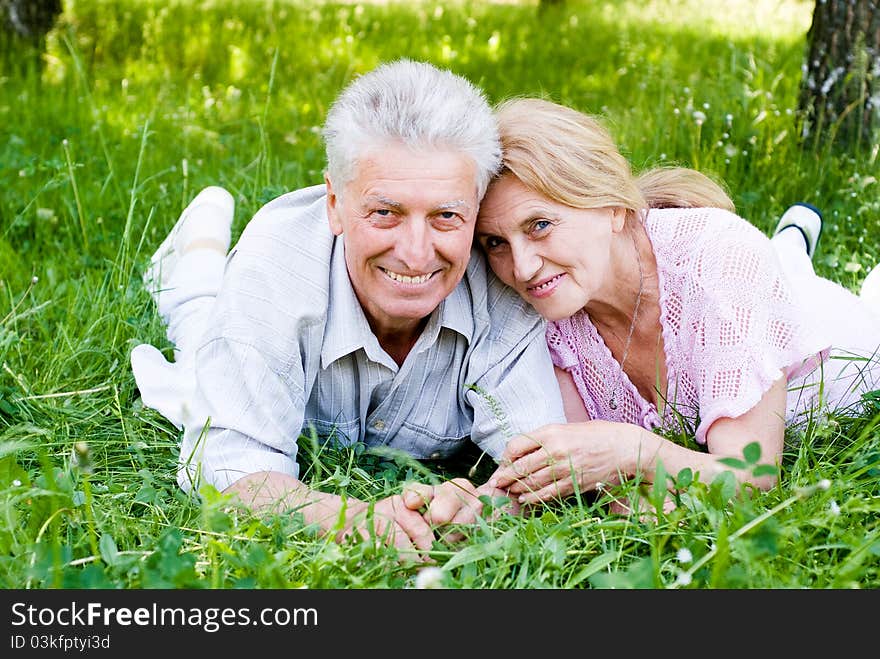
(453, 503)
(393, 523)
(388, 520)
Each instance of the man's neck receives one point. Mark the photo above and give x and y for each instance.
(399, 341)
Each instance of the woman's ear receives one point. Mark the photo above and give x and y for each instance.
(618, 218)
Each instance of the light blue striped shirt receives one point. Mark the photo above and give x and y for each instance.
(288, 350)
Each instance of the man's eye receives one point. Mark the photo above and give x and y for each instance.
(447, 215)
(384, 212)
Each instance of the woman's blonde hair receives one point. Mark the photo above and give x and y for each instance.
(570, 158)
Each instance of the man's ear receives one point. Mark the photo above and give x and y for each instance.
(334, 208)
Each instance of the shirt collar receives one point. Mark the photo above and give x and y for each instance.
(348, 330)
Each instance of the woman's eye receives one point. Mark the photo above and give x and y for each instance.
(541, 225)
(492, 242)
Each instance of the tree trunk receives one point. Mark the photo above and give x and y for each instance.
(23, 28)
(840, 90)
(545, 5)
(30, 19)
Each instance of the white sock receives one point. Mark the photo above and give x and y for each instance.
(794, 236)
(204, 222)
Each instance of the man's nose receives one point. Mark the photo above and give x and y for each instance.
(416, 247)
(526, 263)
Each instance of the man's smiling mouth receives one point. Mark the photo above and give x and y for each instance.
(407, 279)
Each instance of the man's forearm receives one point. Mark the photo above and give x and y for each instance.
(275, 492)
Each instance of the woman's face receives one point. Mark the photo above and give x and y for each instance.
(555, 256)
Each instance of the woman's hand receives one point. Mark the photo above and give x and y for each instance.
(549, 462)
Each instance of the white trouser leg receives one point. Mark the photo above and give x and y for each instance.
(870, 291)
(186, 303)
(791, 249)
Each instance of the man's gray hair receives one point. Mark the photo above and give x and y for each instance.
(418, 105)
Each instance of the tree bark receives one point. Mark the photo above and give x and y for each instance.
(840, 89)
(545, 5)
(24, 25)
(30, 19)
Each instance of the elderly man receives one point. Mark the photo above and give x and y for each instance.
(357, 309)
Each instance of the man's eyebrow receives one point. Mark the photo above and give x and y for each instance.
(385, 201)
(458, 203)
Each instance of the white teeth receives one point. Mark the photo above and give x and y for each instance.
(546, 284)
(407, 279)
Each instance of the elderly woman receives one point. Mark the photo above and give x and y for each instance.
(666, 311)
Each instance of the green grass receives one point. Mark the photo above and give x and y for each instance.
(142, 103)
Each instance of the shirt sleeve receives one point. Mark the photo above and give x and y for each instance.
(263, 333)
(244, 417)
(513, 385)
(747, 325)
(516, 395)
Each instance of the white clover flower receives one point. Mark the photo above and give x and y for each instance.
(684, 579)
(82, 457)
(429, 578)
(16, 483)
(823, 484)
(34, 279)
(835, 509)
(699, 117)
(684, 555)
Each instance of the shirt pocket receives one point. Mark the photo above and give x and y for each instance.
(425, 444)
(339, 433)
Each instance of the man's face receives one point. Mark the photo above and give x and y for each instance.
(408, 221)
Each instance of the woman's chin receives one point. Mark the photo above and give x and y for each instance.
(554, 312)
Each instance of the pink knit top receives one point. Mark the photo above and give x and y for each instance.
(732, 324)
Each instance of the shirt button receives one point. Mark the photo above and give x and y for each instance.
(435, 455)
(378, 424)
